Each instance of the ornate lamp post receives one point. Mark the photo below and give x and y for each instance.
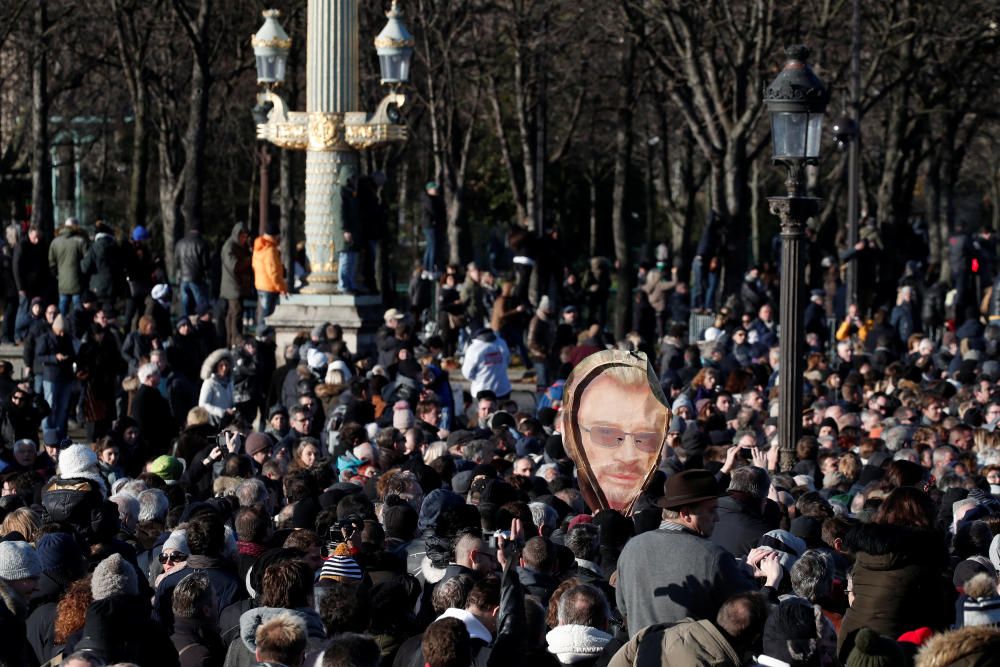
(331, 130)
(796, 101)
(271, 45)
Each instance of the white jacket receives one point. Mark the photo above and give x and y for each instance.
(485, 364)
(216, 396)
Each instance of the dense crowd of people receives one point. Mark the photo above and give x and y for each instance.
(232, 503)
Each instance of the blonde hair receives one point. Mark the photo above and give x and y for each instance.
(23, 521)
(435, 450)
(197, 416)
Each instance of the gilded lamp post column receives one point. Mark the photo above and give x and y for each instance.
(331, 91)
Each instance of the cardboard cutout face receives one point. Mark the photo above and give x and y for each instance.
(614, 425)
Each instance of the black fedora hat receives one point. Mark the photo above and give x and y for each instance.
(687, 488)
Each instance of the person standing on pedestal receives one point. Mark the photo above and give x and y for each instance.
(65, 255)
(347, 258)
(269, 274)
(31, 277)
(237, 281)
(433, 220)
(193, 256)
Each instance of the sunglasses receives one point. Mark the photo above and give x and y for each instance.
(611, 438)
(175, 557)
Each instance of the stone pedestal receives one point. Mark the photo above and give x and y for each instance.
(360, 317)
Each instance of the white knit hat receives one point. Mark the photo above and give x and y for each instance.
(80, 462)
(114, 576)
(19, 560)
(178, 542)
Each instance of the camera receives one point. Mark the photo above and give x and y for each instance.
(494, 542)
(341, 531)
(220, 440)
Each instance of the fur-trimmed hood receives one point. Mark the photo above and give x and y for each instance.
(212, 360)
(966, 646)
(13, 603)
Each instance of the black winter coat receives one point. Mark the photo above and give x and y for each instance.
(197, 643)
(740, 526)
(31, 268)
(152, 411)
(119, 629)
(193, 257)
(105, 265)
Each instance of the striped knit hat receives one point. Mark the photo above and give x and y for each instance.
(339, 566)
(982, 606)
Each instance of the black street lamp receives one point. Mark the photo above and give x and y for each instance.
(796, 101)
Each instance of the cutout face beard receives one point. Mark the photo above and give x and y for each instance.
(614, 426)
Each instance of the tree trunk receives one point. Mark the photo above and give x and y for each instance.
(194, 142)
(623, 155)
(41, 172)
(137, 205)
(170, 191)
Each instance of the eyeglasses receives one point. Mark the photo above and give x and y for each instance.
(174, 557)
(611, 438)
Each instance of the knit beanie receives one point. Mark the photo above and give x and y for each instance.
(872, 650)
(340, 566)
(57, 551)
(77, 461)
(400, 522)
(177, 542)
(114, 576)
(788, 546)
(19, 560)
(402, 416)
(982, 604)
(792, 632)
(167, 468)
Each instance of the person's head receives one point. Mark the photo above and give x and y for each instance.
(223, 367)
(429, 411)
(306, 453)
(539, 554)
(483, 602)
(301, 419)
(471, 552)
(352, 650)
(812, 576)
(20, 567)
(741, 619)
(278, 420)
(932, 409)
(621, 427)
(691, 500)
(153, 505)
(149, 374)
(906, 506)
(451, 593)
(792, 634)
(128, 511)
(25, 452)
(108, 451)
(523, 467)
(584, 541)
(485, 407)
(205, 535)
(281, 639)
(194, 598)
(83, 659)
(446, 643)
(287, 584)
(584, 605)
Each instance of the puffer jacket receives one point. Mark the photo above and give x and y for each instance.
(898, 582)
(192, 256)
(689, 643)
(237, 274)
(105, 266)
(268, 273)
(65, 256)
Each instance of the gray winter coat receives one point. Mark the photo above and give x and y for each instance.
(237, 273)
(65, 256)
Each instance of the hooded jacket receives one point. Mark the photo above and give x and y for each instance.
(105, 266)
(689, 643)
(65, 255)
(241, 650)
(485, 364)
(216, 394)
(237, 272)
(576, 644)
(898, 583)
(967, 647)
(268, 273)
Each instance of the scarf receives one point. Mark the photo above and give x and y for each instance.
(250, 548)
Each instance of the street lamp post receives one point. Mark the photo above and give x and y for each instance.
(331, 130)
(796, 101)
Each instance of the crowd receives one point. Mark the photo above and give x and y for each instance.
(233, 503)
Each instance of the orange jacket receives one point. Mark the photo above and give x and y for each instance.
(268, 273)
